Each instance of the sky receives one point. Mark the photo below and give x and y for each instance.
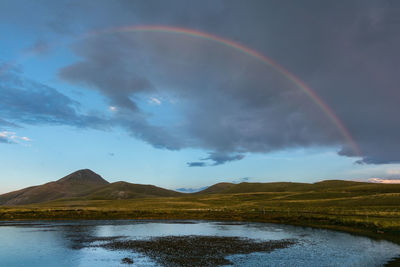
(192, 93)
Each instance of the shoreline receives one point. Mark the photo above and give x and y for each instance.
(391, 235)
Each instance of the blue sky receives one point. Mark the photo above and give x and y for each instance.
(178, 111)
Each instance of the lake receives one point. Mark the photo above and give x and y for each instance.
(97, 243)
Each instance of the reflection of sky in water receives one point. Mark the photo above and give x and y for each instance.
(53, 243)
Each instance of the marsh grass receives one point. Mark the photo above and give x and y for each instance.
(377, 215)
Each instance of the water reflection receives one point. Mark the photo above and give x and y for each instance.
(70, 243)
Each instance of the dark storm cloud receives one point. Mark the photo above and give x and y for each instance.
(230, 104)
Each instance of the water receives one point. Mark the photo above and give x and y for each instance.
(57, 243)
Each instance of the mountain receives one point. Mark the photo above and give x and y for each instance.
(83, 185)
(73, 185)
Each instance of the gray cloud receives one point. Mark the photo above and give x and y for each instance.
(196, 164)
(7, 124)
(229, 103)
(29, 102)
(99, 69)
(220, 158)
(217, 158)
(40, 47)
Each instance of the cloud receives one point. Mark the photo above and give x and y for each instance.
(384, 181)
(4, 138)
(196, 164)
(384, 171)
(217, 159)
(5, 124)
(220, 158)
(25, 138)
(237, 105)
(98, 72)
(40, 47)
(12, 138)
(155, 101)
(230, 103)
(29, 102)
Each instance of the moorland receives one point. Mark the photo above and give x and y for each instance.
(368, 209)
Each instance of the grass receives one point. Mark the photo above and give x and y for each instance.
(376, 215)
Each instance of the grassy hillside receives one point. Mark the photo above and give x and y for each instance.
(217, 188)
(124, 190)
(86, 185)
(372, 209)
(83, 185)
(75, 184)
(337, 186)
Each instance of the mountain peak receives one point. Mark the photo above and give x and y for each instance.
(73, 185)
(83, 176)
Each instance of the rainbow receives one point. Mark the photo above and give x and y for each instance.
(250, 52)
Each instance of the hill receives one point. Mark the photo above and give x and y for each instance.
(219, 188)
(245, 187)
(339, 186)
(73, 185)
(83, 185)
(124, 190)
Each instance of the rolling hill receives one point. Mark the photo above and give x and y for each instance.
(87, 185)
(338, 186)
(124, 190)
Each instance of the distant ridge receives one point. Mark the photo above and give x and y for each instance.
(87, 185)
(323, 186)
